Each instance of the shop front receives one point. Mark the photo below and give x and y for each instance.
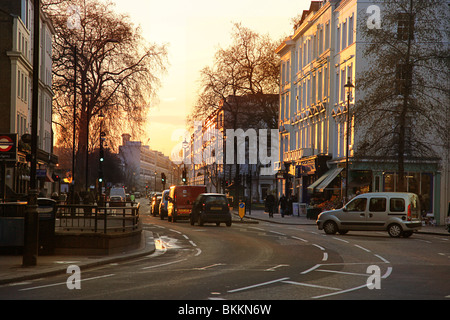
(307, 172)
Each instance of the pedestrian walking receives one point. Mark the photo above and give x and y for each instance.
(270, 203)
(283, 205)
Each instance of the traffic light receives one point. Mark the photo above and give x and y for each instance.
(163, 177)
(55, 177)
(102, 156)
(183, 176)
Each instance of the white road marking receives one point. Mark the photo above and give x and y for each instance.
(301, 239)
(65, 283)
(309, 285)
(163, 264)
(343, 291)
(321, 248)
(278, 266)
(257, 285)
(362, 248)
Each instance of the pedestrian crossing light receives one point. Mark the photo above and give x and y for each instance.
(100, 180)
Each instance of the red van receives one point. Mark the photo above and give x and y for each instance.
(181, 200)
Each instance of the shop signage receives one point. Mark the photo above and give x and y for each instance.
(8, 147)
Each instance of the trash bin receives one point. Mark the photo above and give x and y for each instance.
(11, 224)
(47, 217)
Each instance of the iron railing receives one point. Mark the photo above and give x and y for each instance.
(94, 218)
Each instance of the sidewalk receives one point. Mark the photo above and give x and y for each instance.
(11, 269)
(260, 215)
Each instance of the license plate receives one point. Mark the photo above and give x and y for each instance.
(216, 208)
(184, 211)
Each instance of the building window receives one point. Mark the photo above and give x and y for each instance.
(403, 77)
(350, 30)
(405, 26)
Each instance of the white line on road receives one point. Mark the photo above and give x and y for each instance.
(311, 269)
(278, 266)
(163, 264)
(299, 239)
(380, 257)
(325, 256)
(192, 243)
(210, 266)
(310, 285)
(343, 291)
(321, 248)
(335, 238)
(343, 272)
(65, 283)
(362, 248)
(281, 234)
(257, 285)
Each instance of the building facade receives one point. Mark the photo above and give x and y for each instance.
(234, 124)
(142, 167)
(16, 66)
(317, 139)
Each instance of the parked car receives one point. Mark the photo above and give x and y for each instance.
(154, 205)
(181, 199)
(398, 213)
(211, 207)
(163, 204)
(117, 197)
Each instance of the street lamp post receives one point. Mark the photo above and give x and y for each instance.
(101, 117)
(348, 86)
(155, 180)
(31, 218)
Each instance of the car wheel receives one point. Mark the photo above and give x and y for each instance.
(229, 224)
(217, 223)
(192, 221)
(395, 230)
(342, 231)
(161, 216)
(200, 221)
(330, 227)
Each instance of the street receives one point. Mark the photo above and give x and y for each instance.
(261, 261)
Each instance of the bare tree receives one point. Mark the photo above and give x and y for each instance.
(117, 73)
(404, 112)
(249, 66)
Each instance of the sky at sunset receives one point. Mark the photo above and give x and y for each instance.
(193, 31)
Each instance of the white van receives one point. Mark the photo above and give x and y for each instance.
(398, 213)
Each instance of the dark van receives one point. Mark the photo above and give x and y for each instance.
(181, 200)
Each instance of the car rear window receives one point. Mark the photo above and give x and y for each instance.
(397, 205)
(216, 200)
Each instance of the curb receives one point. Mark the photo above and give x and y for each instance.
(146, 250)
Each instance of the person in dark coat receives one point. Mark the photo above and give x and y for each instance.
(270, 203)
(283, 205)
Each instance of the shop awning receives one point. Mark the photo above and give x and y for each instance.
(321, 183)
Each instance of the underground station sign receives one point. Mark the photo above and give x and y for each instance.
(8, 147)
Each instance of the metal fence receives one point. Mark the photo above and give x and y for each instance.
(76, 217)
